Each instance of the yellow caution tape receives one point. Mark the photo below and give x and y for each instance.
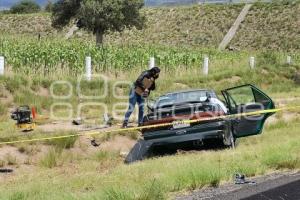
(153, 126)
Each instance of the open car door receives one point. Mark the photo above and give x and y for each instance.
(243, 99)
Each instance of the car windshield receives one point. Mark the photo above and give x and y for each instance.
(184, 97)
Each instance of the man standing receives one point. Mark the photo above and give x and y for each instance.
(140, 90)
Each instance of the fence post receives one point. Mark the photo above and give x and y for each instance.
(205, 65)
(252, 62)
(289, 60)
(152, 63)
(1, 65)
(88, 68)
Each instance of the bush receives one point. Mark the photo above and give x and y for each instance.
(50, 160)
(25, 6)
(63, 143)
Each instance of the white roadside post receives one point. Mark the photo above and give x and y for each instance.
(152, 63)
(205, 65)
(289, 60)
(252, 62)
(88, 68)
(1, 65)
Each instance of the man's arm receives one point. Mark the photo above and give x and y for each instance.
(153, 86)
(139, 81)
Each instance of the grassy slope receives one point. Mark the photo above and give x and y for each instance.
(191, 26)
(227, 70)
(183, 25)
(105, 177)
(275, 26)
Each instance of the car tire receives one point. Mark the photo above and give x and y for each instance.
(140, 151)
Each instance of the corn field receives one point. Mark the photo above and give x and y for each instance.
(43, 57)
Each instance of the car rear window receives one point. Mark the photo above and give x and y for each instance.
(179, 98)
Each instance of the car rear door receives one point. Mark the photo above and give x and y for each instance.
(244, 99)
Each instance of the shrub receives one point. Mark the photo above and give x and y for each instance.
(63, 143)
(50, 160)
(25, 6)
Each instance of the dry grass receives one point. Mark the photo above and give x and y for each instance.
(10, 159)
(263, 20)
(103, 176)
(198, 25)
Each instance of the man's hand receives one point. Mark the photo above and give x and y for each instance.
(146, 93)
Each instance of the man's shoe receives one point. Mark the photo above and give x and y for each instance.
(125, 125)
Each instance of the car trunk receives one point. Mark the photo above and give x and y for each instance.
(161, 119)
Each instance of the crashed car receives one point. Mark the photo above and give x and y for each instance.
(195, 117)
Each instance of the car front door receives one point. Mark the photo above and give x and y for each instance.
(245, 99)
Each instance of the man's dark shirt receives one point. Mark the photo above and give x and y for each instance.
(139, 81)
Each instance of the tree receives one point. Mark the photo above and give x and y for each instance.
(25, 6)
(99, 16)
(49, 6)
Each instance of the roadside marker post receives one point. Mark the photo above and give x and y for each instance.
(205, 65)
(289, 60)
(152, 63)
(252, 62)
(2, 65)
(88, 68)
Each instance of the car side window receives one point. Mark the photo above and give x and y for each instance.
(240, 96)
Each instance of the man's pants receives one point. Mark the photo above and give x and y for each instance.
(133, 99)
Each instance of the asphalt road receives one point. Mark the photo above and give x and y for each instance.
(284, 186)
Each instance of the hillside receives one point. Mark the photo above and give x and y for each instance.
(164, 26)
(198, 25)
(9, 3)
(275, 26)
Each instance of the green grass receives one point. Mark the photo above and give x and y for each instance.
(198, 25)
(65, 143)
(263, 20)
(158, 178)
(227, 69)
(50, 160)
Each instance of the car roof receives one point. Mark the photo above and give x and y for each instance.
(189, 90)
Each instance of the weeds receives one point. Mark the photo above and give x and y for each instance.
(28, 149)
(10, 159)
(2, 163)
(50, 160)
(116, 193)
(106, 155)
(63, 143)
(153, 191)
